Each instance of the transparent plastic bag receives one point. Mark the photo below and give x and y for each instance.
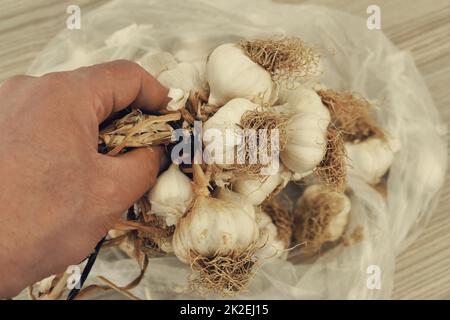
(358, 59)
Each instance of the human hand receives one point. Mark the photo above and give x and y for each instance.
(58, 195)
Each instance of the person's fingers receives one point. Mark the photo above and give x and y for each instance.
(133, 173)
(118, 84)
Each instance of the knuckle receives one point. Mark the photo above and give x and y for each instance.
(53, 79)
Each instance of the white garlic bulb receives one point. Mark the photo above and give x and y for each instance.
(321, 216)
(255, 190)
(213, 227)
(221, 132)
(306, 142)
(230, 196)
(370, 159)
(302, 99)
(232, 74)
(171, 195)
(269, 244)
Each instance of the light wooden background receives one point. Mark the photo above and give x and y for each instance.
(420, 26)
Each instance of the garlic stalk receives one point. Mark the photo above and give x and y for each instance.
(221, 132)
(371, 158)
(232, 74)
(171, 195)
(256, 189)
(321, 216)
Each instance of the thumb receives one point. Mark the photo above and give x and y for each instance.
(134, 173)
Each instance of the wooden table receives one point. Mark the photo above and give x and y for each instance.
(420, 26)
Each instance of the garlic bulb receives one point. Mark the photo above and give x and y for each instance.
(321, 216)
(306, 136)
(370, 159)
(269, 244)
(221, 134)
(232, 74)
(302, 99)
(171, 195)
(255, 190)
(213, 227)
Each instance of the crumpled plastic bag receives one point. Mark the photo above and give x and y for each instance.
(355, 59)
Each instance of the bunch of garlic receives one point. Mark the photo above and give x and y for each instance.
(321, 216)
(232, 74)
(171, 195)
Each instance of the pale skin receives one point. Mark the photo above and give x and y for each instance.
(58, 195)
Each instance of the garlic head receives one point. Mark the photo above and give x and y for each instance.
(171, 195)
(306, 142)
(232, 74)
(370, 159)
(213, 227)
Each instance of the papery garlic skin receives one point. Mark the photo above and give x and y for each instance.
(213, 227)
(225, 123)
(171, 195)
(306, 144)
(370, 159)
(157, 62)
(232, 74)
(270, 246)
(255, 191)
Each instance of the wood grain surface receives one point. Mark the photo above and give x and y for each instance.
(420, 26)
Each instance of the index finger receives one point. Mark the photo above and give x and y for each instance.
(118, 84)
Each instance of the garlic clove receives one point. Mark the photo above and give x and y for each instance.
(232, 74)
(370, 159)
